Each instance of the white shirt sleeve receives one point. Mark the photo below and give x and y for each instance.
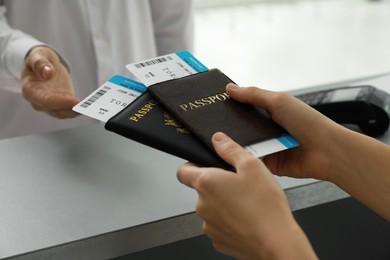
(173, 24)
(14, 45)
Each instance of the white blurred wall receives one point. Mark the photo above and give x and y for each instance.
(286, 44)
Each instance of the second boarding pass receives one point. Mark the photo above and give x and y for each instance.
(118, 92)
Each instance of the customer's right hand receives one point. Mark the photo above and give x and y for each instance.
(46, 83)
(319, 137)
(356, 163)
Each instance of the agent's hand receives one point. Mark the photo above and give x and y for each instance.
(320, 138)
(47, 85)
(245, 214)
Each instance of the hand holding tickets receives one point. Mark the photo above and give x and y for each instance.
(179, 70)
(46, 83)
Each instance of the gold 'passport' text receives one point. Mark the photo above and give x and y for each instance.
(143, 111)
(204, 101)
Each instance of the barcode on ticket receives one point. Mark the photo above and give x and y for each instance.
(152, 62)
(95, 97)
(167, 67)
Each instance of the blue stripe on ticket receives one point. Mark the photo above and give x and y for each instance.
(192, 61)
(288, 141)
(128, 83)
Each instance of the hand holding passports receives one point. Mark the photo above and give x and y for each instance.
(179, 116)
(147, 122)
(201, 103)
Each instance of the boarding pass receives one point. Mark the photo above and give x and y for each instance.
(167, 67)
(110, 98)
(115, 95)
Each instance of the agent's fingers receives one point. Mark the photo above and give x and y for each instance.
(58, 113)
(47, 99)
(40, 64)
(62, 114)
(46, 71)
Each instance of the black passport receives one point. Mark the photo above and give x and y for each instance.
(201, 103)
(147, 122)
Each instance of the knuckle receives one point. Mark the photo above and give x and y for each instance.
(231, 148)
(278, 99)
(203, 182)
(252, 90)
(247, 162)
(200, 209)
(207, 181)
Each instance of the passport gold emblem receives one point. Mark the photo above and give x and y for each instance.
(170, 121)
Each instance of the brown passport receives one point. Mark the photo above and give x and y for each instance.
(201, 103)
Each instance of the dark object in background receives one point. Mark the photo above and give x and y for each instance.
(364, 106)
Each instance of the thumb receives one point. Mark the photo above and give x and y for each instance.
(228, 150)
(43, 69)
(47, 72)
(39, 62)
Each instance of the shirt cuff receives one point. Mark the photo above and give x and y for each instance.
(16, 53)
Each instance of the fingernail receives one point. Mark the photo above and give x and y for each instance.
(232, 86)
(45, 70)
(219, 137)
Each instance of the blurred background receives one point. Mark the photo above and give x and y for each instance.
(287, 44)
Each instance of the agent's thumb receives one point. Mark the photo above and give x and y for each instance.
(41, 66)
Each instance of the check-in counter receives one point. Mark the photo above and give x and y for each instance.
(86, 193)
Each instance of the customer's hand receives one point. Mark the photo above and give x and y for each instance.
(245, 214)
(47, 85)
(319, 137)
(357, 163)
